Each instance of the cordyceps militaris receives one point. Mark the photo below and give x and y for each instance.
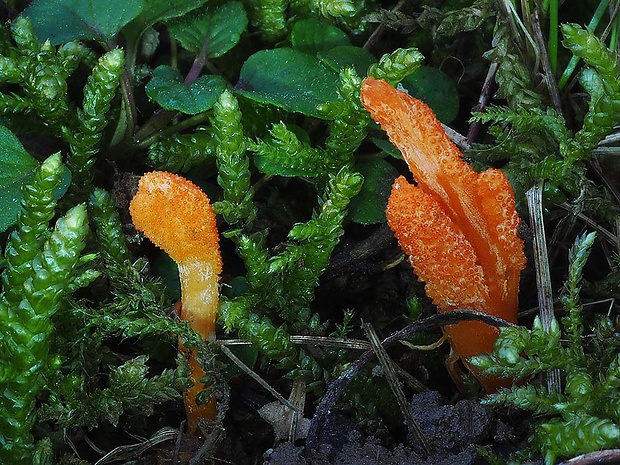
(176, 215)
(458, 227)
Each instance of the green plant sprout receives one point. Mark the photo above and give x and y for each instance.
(40, 270)
(537, 141)
(584, 417)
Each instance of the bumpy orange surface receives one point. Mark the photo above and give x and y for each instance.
(458, 227)
(176, 215)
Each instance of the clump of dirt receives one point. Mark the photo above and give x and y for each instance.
(453, 433)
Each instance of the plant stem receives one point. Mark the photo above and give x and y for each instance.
(198, 64)
(547, 58)
(140, 143)
(572, 64)
(613, 38)
(553, 35)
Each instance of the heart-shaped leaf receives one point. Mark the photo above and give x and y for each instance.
(62, 21)
(167, 88)
(219, 27)
(16, 168)
(288, 79)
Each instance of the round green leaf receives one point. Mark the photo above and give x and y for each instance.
(436, 89)
(16, 168)
(347, 56)
(368, 207)
(219, 27)
(313, 35)
(288, 79)
(61, 21)
(167, 88)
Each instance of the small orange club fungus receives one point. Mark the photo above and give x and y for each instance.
(176, 216)
(458, 227)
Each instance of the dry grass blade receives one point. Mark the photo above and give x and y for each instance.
(135, 450)
(387, 366)
(543, 275)
(552, 86)
(605, 233)
(247, 370)
(334, 342)
(603, 457)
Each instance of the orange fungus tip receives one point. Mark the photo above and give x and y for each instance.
(176, 215)
(458, 227)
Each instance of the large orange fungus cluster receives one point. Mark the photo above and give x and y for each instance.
(176, 215)
(458, 227)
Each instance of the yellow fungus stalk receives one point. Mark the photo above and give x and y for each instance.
(176, 216)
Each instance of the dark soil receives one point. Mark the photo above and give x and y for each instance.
(454, 433)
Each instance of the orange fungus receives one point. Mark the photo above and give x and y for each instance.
(458, 227)
(176, 215)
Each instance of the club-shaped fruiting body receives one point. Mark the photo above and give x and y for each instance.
(458, 227)
(176, 215)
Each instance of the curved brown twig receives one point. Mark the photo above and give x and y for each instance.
(600, 457)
